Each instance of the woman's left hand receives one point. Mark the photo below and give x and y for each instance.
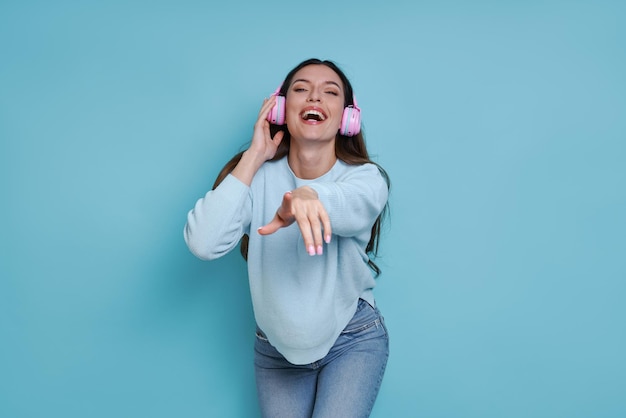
(303, 206)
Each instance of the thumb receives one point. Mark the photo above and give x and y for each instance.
(274, 225)
(281, 219)
(278, 138)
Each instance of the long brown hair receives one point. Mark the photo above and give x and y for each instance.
(349, 149)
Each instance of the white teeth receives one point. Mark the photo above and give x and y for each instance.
(313, 114)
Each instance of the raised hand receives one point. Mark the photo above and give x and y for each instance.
(262, 142)
(262, 148)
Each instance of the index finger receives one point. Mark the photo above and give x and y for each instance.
(268, 103)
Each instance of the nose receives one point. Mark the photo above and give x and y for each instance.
(313, 96)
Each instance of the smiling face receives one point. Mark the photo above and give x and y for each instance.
(314, 103)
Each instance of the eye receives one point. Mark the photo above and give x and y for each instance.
(334, 93)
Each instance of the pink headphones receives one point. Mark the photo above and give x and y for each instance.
(350, 120)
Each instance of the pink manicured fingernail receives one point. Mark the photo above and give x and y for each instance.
(311, 250)
(320, 250)
(327, 239)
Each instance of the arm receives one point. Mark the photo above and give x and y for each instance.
(352, 203)
(217, 221)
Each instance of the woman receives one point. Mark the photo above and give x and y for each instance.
(308, 202)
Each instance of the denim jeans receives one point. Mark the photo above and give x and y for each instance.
(343, 384)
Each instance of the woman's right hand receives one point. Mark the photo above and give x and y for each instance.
(262, 142)
(262, 147)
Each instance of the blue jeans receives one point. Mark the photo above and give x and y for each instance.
(343, 384)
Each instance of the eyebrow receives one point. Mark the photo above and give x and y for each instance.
(307, 81)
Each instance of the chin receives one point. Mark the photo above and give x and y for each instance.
(315, 137)
(315, 133)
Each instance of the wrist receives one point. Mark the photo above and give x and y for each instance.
(247, 167)
(305, 192)
(253, 159)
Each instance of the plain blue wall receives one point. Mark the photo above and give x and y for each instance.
(502, 125)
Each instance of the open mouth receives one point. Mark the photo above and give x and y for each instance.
(313, 115)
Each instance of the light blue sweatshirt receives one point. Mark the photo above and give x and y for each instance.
(301, 302)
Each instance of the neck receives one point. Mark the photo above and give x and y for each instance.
(312, 161)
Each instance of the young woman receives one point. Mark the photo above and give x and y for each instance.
(308, 202)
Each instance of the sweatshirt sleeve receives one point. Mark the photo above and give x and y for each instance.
(354, 201)
(219, 219)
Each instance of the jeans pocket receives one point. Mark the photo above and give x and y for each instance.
(367, 319)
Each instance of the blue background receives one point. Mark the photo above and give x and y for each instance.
(501, 124)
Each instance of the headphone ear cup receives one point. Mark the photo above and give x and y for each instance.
(277, 114)
(350, 121)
